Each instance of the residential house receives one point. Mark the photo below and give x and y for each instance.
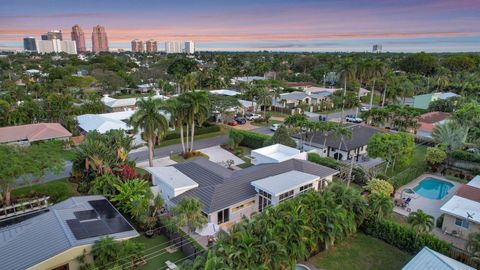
(428, 121)
(225, 92)
(427, 259)
(300, 85)
(294, 99)
(275, 154)
(55, 237)
(105, 121)
(124, 104)
(338, 148)
(362, 92)
(27, 134)
(228, 195)
(246, 79)
(462, 211)
(423, 101)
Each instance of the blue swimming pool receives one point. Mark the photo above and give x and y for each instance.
(433, 188)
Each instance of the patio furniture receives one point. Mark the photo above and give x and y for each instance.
(171, 265)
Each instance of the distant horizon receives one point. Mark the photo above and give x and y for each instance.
(269, 25)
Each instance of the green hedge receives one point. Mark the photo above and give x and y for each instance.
(408, 175)
(403, 237)
(358, 174)
(198, 131)
(465, 155)
(252, 139)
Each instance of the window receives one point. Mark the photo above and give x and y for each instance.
(285, 196)
(305, 188)
(223, 216)
(462, 223)
(264, 200)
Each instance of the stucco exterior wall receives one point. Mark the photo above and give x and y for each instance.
(449, 226)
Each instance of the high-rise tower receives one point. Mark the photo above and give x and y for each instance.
(79, 37)
(99, 39)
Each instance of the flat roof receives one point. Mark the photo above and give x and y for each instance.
(280, 183)
(277, 151)
(463, 208)
(475, 182)
(172, 177)
(225, 92)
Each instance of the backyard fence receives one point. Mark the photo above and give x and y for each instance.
(464, 257)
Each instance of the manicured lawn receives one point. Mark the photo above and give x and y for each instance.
(155, 253)
(264, 124)
(58, 190)
(418, 158)
(361, 252)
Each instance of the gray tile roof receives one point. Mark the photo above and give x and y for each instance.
(226, 187)
(360, 136)
(428, 259)
(41, 237)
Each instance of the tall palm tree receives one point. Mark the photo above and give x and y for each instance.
(421, 221)
(149, 119)
(189, 82)
(178, 113)
(264, 99)
(188, 212)
(376, 71)
(388, 80)
(342, 132)
(198, 106)
(347, 72)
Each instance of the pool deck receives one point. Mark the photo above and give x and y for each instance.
(432, 207)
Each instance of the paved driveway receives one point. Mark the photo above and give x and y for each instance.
(263, 130)
(159, 162)
(219, 155)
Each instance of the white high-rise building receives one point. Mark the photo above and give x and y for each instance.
(189, 47)
(173, 47)
(56, 46)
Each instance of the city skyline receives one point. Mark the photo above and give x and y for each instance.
(443, 25)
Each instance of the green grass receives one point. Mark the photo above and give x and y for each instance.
(157, 260)
(264, 124)
(361, 252)
(418, 158)
(198, 137)
(68, 155)
(58, 190)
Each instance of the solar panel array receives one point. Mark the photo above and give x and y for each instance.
(104, 219)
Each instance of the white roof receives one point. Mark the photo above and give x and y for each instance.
(428, 259)
(284, 182)
(100, 123)
(446, 95)
(171, 177)
(125, 102)
(475, 182)
(463, 208)
(363, 90)
(277, 151)
(225, 92)
(320, 89)
(247, 103)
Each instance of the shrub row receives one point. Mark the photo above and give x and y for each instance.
(403, 237)
(465, 155)
(405, 177)
(252, 139)
(198, 131)
(358, 174)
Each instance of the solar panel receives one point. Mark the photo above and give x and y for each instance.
(104, 219)
(86, 215)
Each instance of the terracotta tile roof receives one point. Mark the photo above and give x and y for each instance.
(469, 192)
(433, 117)
(33, 132)
(426, 127)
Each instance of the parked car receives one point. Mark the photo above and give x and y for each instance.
(240, 120)
(353, 119)
(252, 116)
(364, 109)
(232, 123)
(274, 127)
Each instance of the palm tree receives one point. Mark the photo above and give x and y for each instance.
(105, 250)
(189, 82)
(342, 132)
(252, 94)
(188, 212)
(377, 70)
(450, 135)
(421, 221)
(473, 244)
(381, 205)
(197, 105)
(264, 99)
(149, 119)
(347, 72)
(388, 80)
(178, 113)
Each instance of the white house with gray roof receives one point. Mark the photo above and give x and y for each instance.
(428, 259)
(53, 238)
(228, 195)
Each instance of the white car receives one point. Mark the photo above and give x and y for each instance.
(364, 109)
(274, 127)
(252, 116)
(353, 119)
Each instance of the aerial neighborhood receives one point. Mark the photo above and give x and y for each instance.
(196, 158)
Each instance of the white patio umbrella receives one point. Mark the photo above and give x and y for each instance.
(208, 229)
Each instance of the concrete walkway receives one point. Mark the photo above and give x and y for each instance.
(219, 155)
(159, 162)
